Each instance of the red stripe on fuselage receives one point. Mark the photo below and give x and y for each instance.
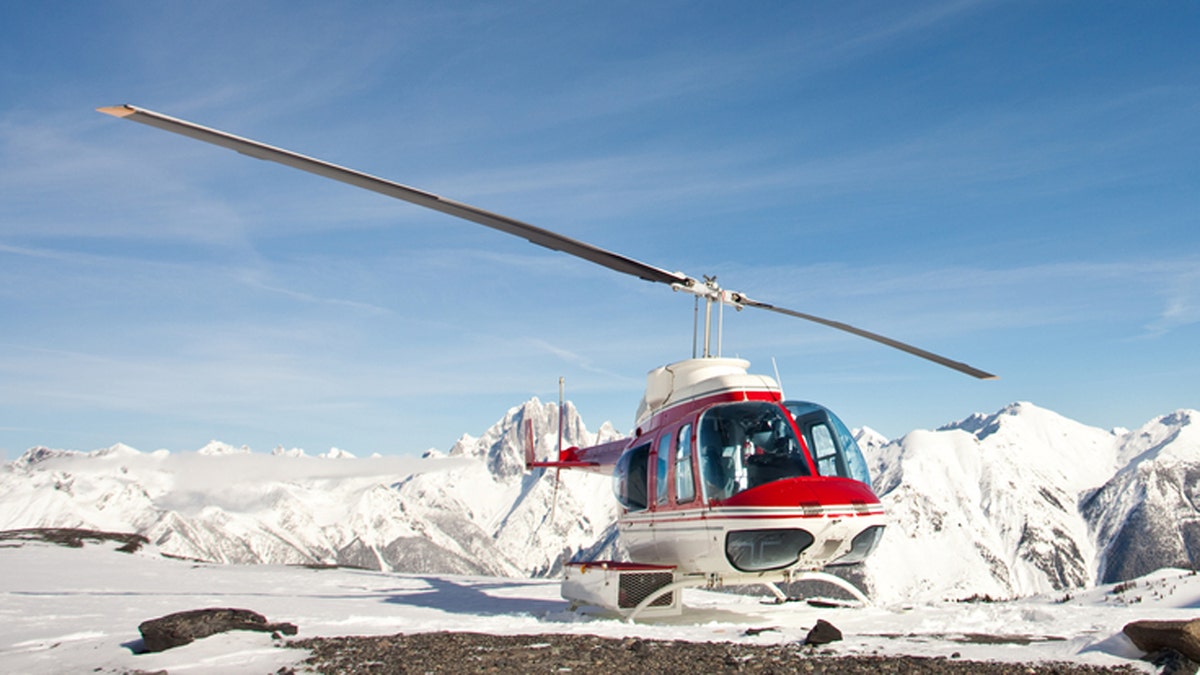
(801, 492)
(644, 518)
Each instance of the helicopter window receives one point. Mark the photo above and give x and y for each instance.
(685, 485)
(662, 466)
(744, 445)
(630, 477)
(827, 434)
(829, 462)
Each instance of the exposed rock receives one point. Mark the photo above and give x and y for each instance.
(1171, 662)
(823, 633)
(75, 537)
(182, 628)
(1155, 636)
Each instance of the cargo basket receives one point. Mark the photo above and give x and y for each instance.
(620, 587)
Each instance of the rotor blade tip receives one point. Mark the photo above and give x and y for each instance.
(117, 110)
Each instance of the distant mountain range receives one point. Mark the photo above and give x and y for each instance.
(1020, 502)
(1026, 501)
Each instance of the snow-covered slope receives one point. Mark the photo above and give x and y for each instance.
(1015, 503)
(80, 609)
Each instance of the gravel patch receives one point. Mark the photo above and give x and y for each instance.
(553, 653)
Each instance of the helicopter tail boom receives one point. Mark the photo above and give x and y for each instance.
(597, 458)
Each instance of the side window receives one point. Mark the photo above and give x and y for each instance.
(662, 465)
(631, 477)
(685, 485)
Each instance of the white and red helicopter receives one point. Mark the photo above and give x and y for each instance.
(723, 481)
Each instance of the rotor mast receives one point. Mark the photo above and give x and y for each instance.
(712, 294)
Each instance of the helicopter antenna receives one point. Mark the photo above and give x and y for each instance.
(778, 379)
(560, 414)
(708, 289)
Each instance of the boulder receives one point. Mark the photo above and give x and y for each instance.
(823, 633)
(182, 628)
(1155, 636)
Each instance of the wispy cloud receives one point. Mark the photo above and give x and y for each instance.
(63, 185)
(898, 23)
(254, 279)
(967, 309)
(583, 362)
(39, 252)
(1180, 291)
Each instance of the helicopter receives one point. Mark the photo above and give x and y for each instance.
(723, 482)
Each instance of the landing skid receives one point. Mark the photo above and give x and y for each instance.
(632, 590)
(781, 597)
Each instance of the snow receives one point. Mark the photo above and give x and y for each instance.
(474, 511)
(1003, 492)
(77, 610)
(1175, 437)
(1022, 505)
(1145, 516)
(216, 447)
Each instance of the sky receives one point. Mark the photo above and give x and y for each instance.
(1011, 184)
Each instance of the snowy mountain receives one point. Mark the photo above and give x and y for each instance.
(1148, 515)
(987, 506)
(1026, 501)
(1016, 503)
(473, 512)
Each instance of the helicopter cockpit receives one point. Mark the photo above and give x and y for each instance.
(744, 445)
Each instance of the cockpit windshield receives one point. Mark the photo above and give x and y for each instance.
(744, 445)
(832, 445)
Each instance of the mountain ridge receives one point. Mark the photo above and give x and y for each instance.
(1025, 500)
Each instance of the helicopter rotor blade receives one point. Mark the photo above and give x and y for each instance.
(882, 339)
(534, 234)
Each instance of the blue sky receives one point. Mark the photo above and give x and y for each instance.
(1012, 184)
